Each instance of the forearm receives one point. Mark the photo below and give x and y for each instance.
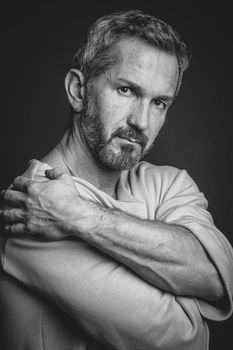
(111, 303)
(168, 256)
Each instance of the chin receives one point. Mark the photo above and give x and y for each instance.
(127, 158)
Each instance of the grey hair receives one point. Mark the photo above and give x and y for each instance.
(95, 55)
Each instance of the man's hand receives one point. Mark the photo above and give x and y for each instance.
(38, 209)
(166, 255)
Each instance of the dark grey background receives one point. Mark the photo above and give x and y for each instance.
(39, 40)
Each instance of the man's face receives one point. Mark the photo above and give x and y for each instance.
(127, 105)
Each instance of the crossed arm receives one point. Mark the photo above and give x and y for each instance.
(116, 306)
(113, 305)
(165, 255)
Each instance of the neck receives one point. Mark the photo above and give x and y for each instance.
(72, 155)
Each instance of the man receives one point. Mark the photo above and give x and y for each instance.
(104, 251)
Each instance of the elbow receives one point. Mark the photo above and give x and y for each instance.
(214, 287)
(173, 327)
(217, 293)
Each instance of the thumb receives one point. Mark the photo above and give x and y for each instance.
(53, 174)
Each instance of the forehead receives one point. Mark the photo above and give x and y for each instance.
(146, 65)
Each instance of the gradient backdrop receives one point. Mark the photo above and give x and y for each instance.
(39, 40)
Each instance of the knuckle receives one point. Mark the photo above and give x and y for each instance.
(20, 216)
(27, 203)
(31, 187)
(28, 225)
(16, 180)
(33, 162)
(5, 214)
(13, 228)
(28, 206)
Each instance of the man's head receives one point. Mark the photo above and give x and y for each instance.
(95, 55)
(131, 63)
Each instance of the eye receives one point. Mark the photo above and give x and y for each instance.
(160, 104)
(124, 90)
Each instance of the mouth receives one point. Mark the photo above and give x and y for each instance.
(129, 139)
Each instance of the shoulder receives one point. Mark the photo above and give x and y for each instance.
(161, 183)
(161, 175)
(147, 169)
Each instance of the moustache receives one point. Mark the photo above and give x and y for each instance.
(130, 133)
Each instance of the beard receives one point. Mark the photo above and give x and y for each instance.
(93, 131)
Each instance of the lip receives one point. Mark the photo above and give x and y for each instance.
(130, 140)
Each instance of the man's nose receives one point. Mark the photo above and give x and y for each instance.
(139, 116)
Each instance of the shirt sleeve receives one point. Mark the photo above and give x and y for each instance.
(182, 203)
(109, 301)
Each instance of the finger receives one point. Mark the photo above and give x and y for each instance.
(33, 162)
(21, 183)
(18, 228)
(14, 198)
(32, 169)
(13, 215)
(2, 194)
(54, 173)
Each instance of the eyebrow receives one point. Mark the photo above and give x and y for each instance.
(140, 91)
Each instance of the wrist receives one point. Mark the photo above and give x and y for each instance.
(85, 219)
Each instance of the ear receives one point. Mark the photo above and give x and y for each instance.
(75, 89)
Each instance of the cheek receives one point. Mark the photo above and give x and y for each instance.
(112, 111)
(155, 126)
(107, 115)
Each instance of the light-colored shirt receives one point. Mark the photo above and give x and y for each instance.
(67, 295)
